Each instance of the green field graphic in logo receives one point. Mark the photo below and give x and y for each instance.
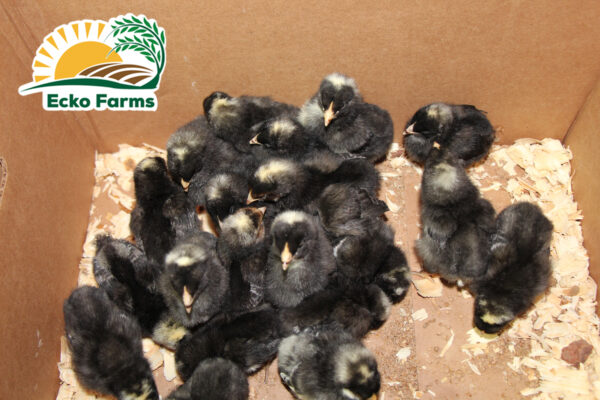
(87, 65)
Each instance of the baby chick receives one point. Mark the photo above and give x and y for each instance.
(225, 193)
(328, 365)
(456, 221)
(250, 340)
(106, 346)
(282, 136)
(232, 117)
(463, 129)
(353, 307)
(242, 248)
(520, 267)
(344, 122)
(185, 149)
(130, 280)
(300, 259)
(195, 282)
(214, 379)
(162, 212)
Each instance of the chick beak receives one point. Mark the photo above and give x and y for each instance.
(328, 115)
(188, 300)
(250, 199)
(374, 397)
(254, 140)
(286, 257)
(409, 130)
(436, 145)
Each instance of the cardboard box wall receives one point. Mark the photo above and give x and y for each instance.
(534, 66)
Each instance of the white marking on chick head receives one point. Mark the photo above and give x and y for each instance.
(349, 394)
(440, 112)
(185, 255)
(239, 221)
(495, 319)
(148, 164)
(338, 81)
(143, 395)
(223, 108)
(215, 185)
(168, 332)
(346, 358)
(267, 171)
(311, 114)
(291, 217)
(445, 176)
(180, 152)
(283, 127)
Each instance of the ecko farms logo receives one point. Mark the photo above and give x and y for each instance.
(98, 65)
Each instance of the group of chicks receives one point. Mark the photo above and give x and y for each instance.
(302, 265)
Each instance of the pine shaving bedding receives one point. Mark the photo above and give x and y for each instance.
(539, 172)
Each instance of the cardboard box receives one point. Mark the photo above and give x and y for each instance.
(533, 66)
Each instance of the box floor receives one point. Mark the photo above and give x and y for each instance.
(437, 366)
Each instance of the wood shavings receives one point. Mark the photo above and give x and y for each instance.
(448, 344)
(420, 315)
(403, 354)
(391, 205)
(169, 361)
(427, 285)
(473, 367)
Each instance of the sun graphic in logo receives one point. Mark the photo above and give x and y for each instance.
(92, 53)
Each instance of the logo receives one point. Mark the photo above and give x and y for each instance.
(98, 65)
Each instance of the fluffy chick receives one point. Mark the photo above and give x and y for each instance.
(130, 280)
(242, 248)
(250, 340)
(456, 221)
(195, 282)
(185, 149)
(282, 136)
(328, 365)
(162, 213)
(353, 307)
(232, 117)
(344, 122)
(463, 129)
(214, 379)
(106, 346)
(300, 259)
(225, 193)
(520, 268)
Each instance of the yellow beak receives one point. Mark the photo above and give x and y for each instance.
(286, 257)
(436, 145)
(254, 140)
(250, 199)
(188, 300)
(328, 115)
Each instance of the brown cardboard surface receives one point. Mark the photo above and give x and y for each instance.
(527, 63)
(42, 224)
(584, 140)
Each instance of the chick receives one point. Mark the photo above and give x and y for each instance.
(130, 280)
(282, 136)
(195, 282)
(250, 340)
(456, 221)
(328, 365)
(300, 259)
(185, 149)
(242, 248)
(344, 122)
(353, 307)
(106, 346)
(463, 129)
(520, 268)
(162, 212)
(232, 117)
(214, 379)
(225, 193)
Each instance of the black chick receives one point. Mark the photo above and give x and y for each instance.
(195, 282)
(520, 268)
(130, 280)
(214, 379)
(185, 149)
(282, 136)
(106, 346)
(300, 259)
(456, 221)
(463, 129)
(353, 307)
(162, 213)
(225, 193)
(344, 122)
(232, 117)
(250, 340)
(243, 249)
(328, 365)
